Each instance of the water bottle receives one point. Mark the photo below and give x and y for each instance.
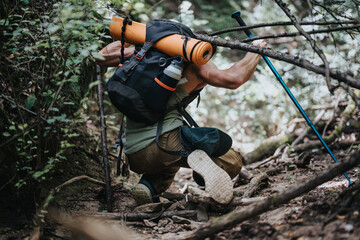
(164, 85)
(174, 70)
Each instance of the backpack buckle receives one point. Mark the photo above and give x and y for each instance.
(140, 55)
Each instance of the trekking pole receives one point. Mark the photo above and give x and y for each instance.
(236, 15)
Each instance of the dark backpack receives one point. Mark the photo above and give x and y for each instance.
(132, 89)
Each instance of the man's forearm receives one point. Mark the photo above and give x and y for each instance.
(111, 54)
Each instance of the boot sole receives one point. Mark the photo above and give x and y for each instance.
(217, 182)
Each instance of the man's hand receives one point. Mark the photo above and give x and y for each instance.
(112, 53)
(260, 43)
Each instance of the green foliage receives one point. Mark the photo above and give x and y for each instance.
(48, 47)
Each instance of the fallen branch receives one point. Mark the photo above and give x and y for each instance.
(316, 144)
(135, 216)
(345, 116)
(230, 220)
(258, 164)
(237, 201)
(254, 184)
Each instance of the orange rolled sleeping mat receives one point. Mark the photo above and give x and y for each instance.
(172, 45)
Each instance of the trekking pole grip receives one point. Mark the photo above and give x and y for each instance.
(238, 18)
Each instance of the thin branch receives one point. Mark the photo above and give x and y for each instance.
(295, 34)
(16, 136)
(308, 130)
(271, 24)
(293, 19)
(7, 183)
(21, 107)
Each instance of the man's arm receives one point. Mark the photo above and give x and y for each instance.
(231, 78)
(112, 54)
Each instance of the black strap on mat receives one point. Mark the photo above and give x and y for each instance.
(126, 21)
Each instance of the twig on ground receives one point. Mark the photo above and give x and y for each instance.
(308, 130)
(244, 176)
(258, 164)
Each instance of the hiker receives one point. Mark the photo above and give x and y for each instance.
(158, 167)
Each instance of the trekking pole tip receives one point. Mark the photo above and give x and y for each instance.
(351, 183)
(235, 14)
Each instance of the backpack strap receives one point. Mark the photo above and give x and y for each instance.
(181, 108)
(135, 60)
(182, 153)
(184, 103)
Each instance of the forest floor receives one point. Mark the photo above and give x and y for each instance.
(331, 211)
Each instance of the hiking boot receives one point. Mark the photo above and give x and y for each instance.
(217, 182)
(198, 179)
(144, 193)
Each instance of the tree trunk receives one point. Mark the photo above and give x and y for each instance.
(267, 148)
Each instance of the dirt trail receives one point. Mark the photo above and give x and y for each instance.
(331, 211)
